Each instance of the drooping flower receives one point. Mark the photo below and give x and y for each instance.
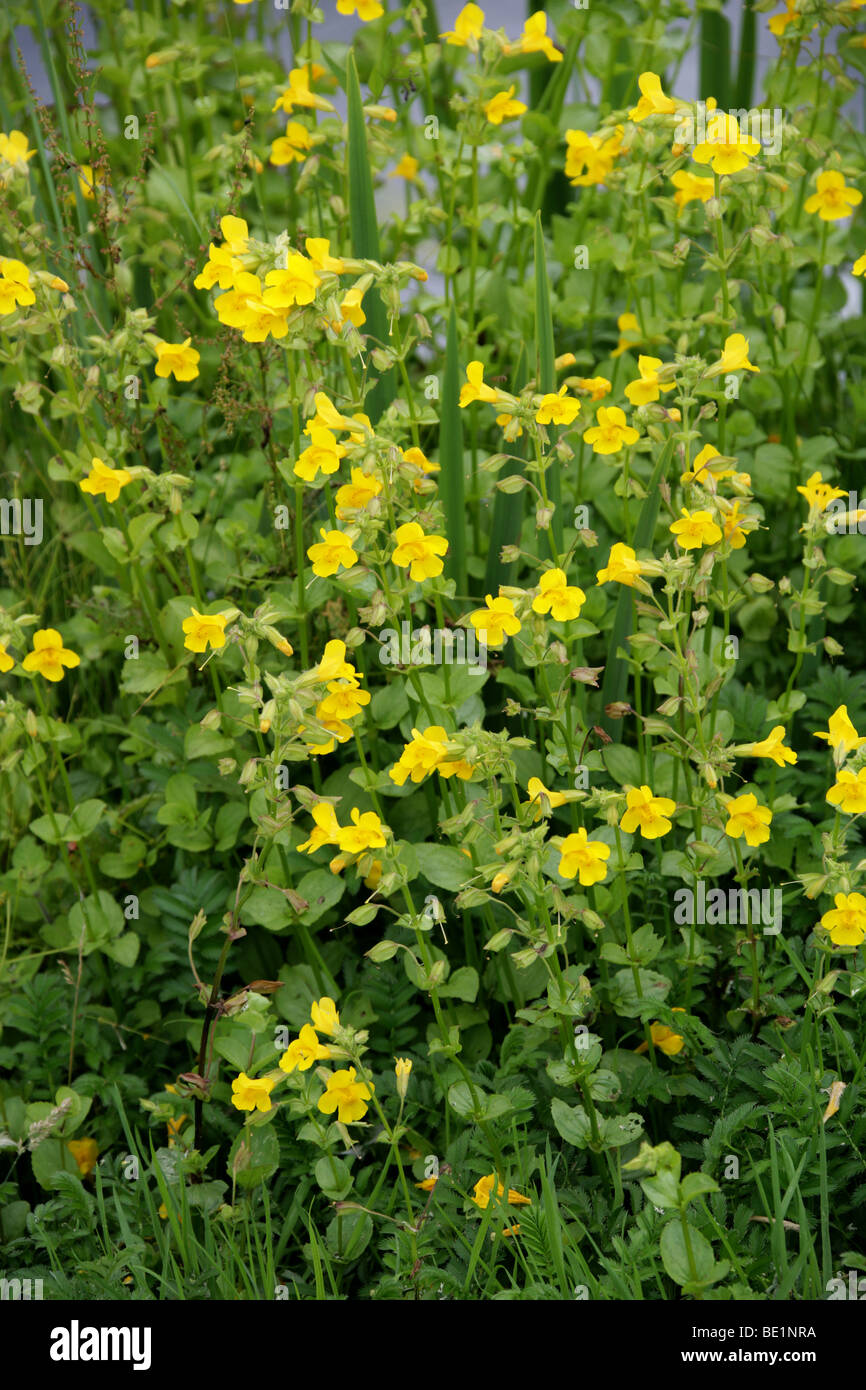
(695, 529)
(584, 857)
(176, 359)
(203, 630)
(849, 792)
(252, 1093)
(495, 623)
(648, 386)
(421, 553)
(105, 481)
(665, 1039)
(734, 358)
(49, 656)
(503, 107)
(725, 149)
(557, 408)
(622, 566)
(647, 813)
(350, 310)
(304, 1051)
(611, 431)
(834, 198)
(346, 1095)
(691, 188)
(563, 601)
(331, 552)
(537, 790)
(747, 817)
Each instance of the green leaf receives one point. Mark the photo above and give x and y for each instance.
(334, 1177)
(695, 1185)
(255, 1155)
(443, 866)
(572, 1123)
(463, 984)
(675, 1254)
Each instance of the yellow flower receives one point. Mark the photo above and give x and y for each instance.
(204, 628)
(557, 408)
(597, 386)
(85, 1152)
(695, 529)
(296, 284)
(327, 830)
(420, 460)
(611, 432)
(834, 198)
(653, 101)
(630, 334)
(252, 1093)
(292, 146)
(427, 753)
(367, 10)
(537, 790)
(333, 665)
(747, 817)
(220, 269)
(733, 530)
(475, 388)
(344, 1094)
(402, 1071)
(647, 388)
(304, 1051)
(467, 28)
(334, 550)
(859, 266)
(345, 701)
(818, 493)
(318, 248)
(88, 182)
(503, 107)
(365, 832)
(350, 308)
(298, 92)
(534, 39)
(246, 308)
(324, 1016)
(557, 597)
(647, 813)
(691, 188)
(355, 495)
(324, 453)
(773, 746)
(708, 466)
(725, 149)
(846, 922)
(583, 857)
(665, 1039)
(484, 1189)
(495, 623)
(49, 656)
(734, 358)
(841, 734)
(421, 553)
(849, 792)
(177, 359)
(406, 168)
(622, 566)
(592, 153)
(6, 662)
(102, 479)
(14, 149)
(14, 285)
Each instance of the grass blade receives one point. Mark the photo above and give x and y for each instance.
(508, 508)
(451, 478)
(365, 232)
(546, 371)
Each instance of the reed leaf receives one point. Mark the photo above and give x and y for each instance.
(546, 372)
(451, 478)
